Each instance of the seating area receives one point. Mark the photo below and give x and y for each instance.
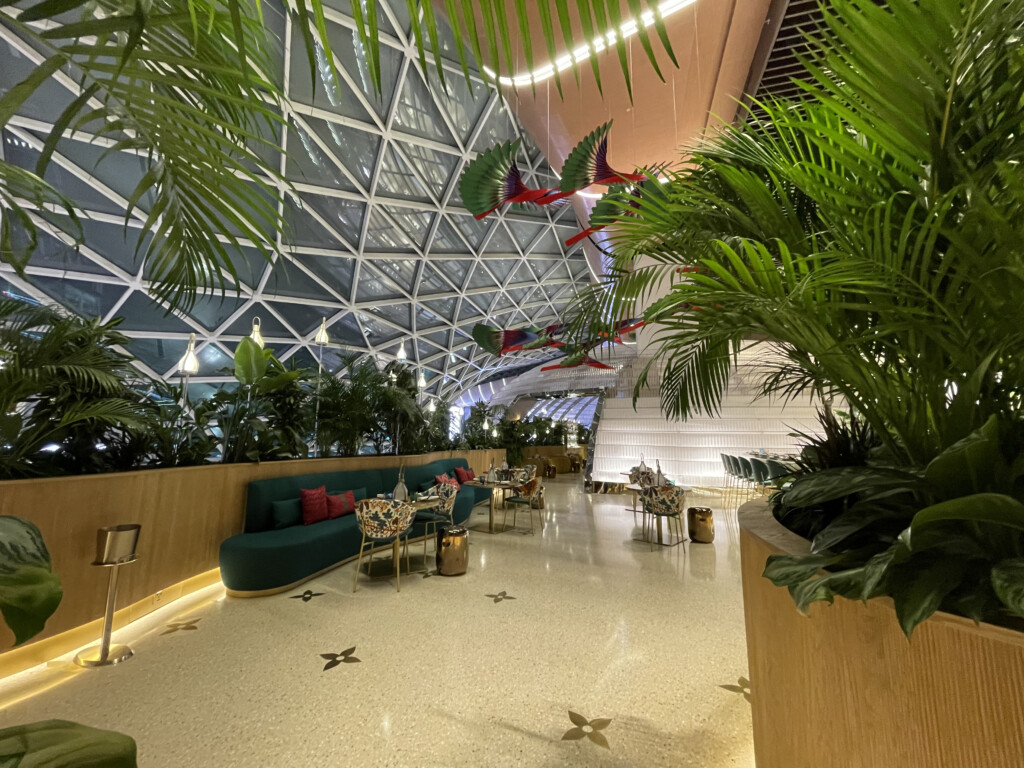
(276, 553)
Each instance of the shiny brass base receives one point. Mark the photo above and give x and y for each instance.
(90, 657)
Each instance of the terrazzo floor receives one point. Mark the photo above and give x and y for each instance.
(575, 646)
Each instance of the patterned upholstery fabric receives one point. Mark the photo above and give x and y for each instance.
(447, 492)
(384, 518)
(526, 490)
(663, 500)
(646, 477)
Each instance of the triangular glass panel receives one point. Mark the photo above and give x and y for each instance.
(141, 313)
(416, 224)
(455, 270)
(503, 302)
(213, 360)
(481, 279)
(435, 168)
(500, 241)
(373, 286)
(307, 162)
(398, 180)
(401, 271)
(335, 271)
(212, 310)
(425, 351)
(471, 228)
(348, 47)
(522, 274)
(301, 358)
(328, 93)
(287, 279)
(356, 149)
(482, 300)
(161, 355)
(548, 244)
(269, 324)
(447, 240)
(48, 99)
(440, 338)
(53, 253)
(497, 130)
(383, 235)
(89, 300)
(443, 308)
(347, 331)
(304, 229)
(468, 310)
(114, 242)
(462, 105)
(398, 314)
(377, 332)
(303, 318)
(344, 216)
(524, 232)
(518, 295)
(416, 112)
(19, 152)
(431, 281)
(500, 268)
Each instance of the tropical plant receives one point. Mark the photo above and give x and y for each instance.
(265, 416)
(478, 426)
(64, 391)
(868, 237)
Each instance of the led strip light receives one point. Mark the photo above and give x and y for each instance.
(627, 29)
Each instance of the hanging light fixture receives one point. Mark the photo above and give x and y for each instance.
(401, 352)
(256, 335)
(189, 363)
(494, 433)
(322, 339)
(432, 406)
(421, 382)
(487, 424)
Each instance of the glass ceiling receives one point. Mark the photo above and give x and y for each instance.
(381, 244)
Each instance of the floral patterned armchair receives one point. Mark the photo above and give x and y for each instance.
(384, 518)
(664, 501)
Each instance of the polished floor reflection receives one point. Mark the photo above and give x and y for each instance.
(575, 646)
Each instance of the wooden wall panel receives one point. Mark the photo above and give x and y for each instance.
(185, 514)
(843, 687)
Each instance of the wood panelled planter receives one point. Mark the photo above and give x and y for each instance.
(844, 688)
(185, 514)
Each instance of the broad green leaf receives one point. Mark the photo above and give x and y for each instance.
(994, 508)
(29, 589)
(10, 426)
(63, 743)
(974, 464)
(847, 583)
(1008, 583)
(832, 484)
(250, 363)
(919, 586)
(787, 570)
(876, 569)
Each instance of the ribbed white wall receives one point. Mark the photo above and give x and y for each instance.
(689, 451)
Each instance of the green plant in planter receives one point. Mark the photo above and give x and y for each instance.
(63, 387)
(871, 237)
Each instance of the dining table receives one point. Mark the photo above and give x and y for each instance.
(502, 486)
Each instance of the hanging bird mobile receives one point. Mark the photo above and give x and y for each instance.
(499, 342)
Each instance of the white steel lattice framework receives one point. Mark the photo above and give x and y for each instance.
(380, 244)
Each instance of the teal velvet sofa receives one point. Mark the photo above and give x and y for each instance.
(264, 559)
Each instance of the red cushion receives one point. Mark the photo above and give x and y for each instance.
(314, 505)
(471, 473)
(462, 475)
(339, 504)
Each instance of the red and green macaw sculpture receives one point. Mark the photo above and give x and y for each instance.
(499, 342)
(493, 179)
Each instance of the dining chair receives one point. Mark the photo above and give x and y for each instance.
(777, 469)
(746, 470)
(384, 521)
(664, 501)
(761, 473)
(434, 516)
(523, 496)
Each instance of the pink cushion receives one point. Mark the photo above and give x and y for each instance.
(339, 504)
(314, 505)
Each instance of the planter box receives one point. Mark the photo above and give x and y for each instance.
(844, 688)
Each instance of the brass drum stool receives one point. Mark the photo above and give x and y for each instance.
(700, 524)
(452, 550)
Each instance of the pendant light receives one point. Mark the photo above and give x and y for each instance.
(421, 382)
(256, 335)
(189, 364)
(432, 406)
(401, 352)
(322, 339)
(487, 424)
